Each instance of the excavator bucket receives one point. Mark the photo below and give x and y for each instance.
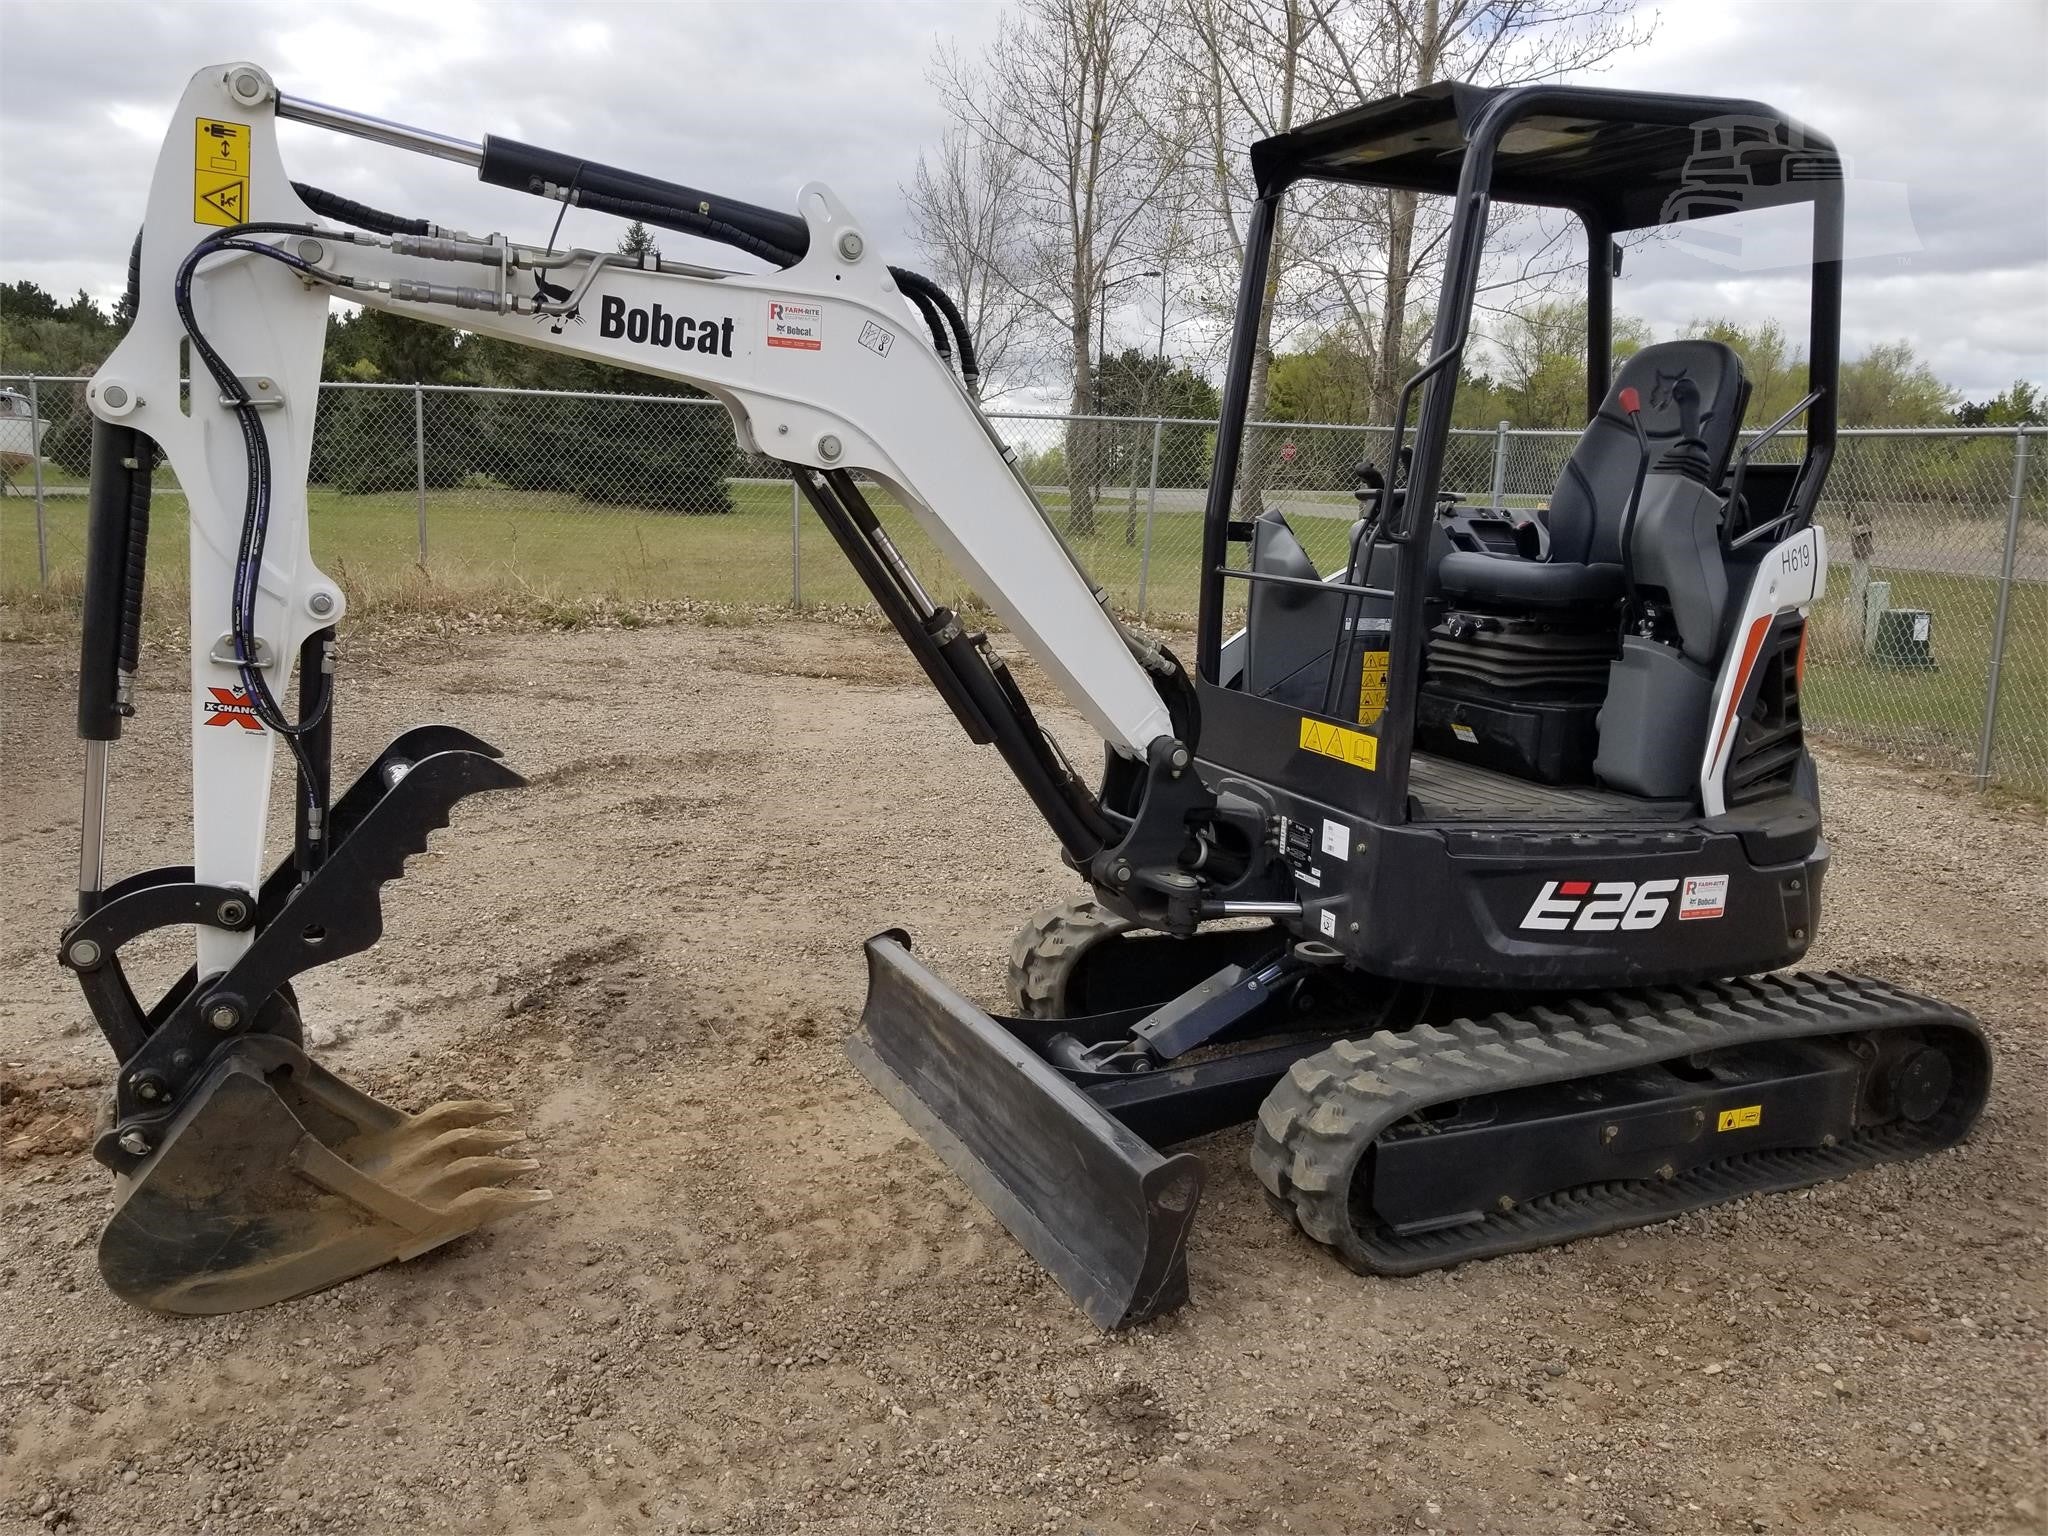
(1105, 1214)
(276, 1179)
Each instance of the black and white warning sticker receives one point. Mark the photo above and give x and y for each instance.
(878, 339)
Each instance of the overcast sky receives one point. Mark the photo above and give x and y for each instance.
(1940, 109)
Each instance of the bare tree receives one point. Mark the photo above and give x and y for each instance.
(1248, 58)
(964, 201)
(1481, 42)
(1070, 89)
(1344, 257)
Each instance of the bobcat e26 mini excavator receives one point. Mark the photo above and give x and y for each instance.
(1459, 870)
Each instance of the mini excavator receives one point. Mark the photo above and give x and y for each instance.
(1466, 872)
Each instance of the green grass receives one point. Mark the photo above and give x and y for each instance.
(549, 557)
(1934, 717)
(497, 546)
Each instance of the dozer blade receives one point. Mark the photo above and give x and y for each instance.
(1105, 1214)
(275, 1178)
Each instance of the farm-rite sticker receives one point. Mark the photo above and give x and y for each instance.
(220, 172)
(1704, 896)
(801, 326)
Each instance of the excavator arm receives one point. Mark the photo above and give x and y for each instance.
(247, 1173)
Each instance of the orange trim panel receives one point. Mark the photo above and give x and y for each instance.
(1750, 646)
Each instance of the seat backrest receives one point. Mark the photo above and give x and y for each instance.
(1592, 494)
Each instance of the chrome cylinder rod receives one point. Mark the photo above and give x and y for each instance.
(92, 828)
(380, 130)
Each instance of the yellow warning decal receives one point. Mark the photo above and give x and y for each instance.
(219, 199)
(1747, 1118)
(1346, 746)
(220, 172)
(222, 147)
(1372, 686)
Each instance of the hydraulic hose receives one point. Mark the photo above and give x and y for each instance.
(689, 222)
(917, 282)
(933, 322)
(343, 211)
(112, 580)
(256, 514)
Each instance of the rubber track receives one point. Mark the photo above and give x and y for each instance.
(1318, 1121)
(1044, 952)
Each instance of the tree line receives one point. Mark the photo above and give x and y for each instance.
(1094, 177)
(1098, 146)
(640, 452)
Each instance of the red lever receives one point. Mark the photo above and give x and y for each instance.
(1631, 402)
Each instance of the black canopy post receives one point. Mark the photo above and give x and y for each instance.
(1237, 387)
(1600, 251)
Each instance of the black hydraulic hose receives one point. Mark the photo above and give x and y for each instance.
(135, 277)
(333, 206)
(137, 466)
(255, 508)
(932, 321)
(102, 638)
(140, 472)
(689, 222)
(917, 282)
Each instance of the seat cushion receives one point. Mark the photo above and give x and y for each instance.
(1505, 579)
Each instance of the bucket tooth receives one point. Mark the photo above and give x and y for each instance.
(275, 1179)
(1106, 1215)
(432, 1152)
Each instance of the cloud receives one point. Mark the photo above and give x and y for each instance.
(748, 101)
(752, 100)
(1937, 110)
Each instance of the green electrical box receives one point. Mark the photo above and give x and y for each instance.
(1905, 638)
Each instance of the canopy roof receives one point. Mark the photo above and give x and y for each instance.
(1625, 159)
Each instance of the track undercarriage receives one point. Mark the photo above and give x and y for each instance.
(1406, 1128)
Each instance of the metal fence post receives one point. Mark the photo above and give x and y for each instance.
(1151, 510)
(419, 461)
(35, 453)
(1500, 465)
(2005, 570)
(796, 544)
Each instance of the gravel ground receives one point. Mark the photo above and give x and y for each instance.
(757, 1302)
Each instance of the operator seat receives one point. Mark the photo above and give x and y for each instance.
(1583, 561)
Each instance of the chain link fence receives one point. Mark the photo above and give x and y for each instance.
(1931, 644)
